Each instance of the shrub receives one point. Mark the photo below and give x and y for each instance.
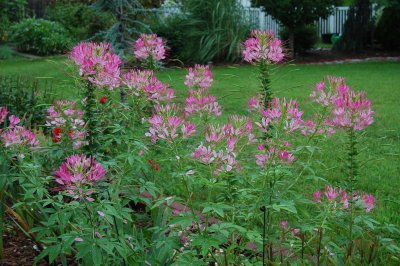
(388, 30)
(79, 19)
(176, 38)
(11, 11)
(40, 36)
(304, 38)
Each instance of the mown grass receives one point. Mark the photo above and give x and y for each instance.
(234, 85)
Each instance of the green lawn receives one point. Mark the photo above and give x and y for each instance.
(236, 84)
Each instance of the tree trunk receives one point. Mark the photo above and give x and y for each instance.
(291, 43)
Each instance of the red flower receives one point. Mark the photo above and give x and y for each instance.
(103, 100)
(154, 165)
(56, 132)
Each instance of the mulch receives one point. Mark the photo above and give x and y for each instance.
(19, 250)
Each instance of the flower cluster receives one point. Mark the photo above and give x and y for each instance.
(279, 113)
(165, 125)
(149, 47)
(339, 197)
(224, 143)
(272, 154)
(349, 109)
(199, 77)
(98, 63)
(3, 114)
(66, 123)
(199, 100)
(78, 171)
(144, 82)
(263, 46)
(18, 136)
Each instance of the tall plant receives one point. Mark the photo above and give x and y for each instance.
(215, 30)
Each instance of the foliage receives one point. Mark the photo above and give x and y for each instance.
(5, 52)
(358, 28)
(127, 15)
(40, 36)
(295, 14)
(304, 37)
(25, 97)
(387, 30)
(11, 11)
(80, 19)
(206, 31)
(216, 30)
(173, 29)
(169, 185)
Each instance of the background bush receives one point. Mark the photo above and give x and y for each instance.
(388, 28)
(40, 36)
(80, 19)
(10, 12)
(208, 31)
(304, 38)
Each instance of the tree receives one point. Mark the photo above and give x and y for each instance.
(294, 14)
(127, 24)
(358, 27)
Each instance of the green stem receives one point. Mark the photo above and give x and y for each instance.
(90, 109)
(265, 82)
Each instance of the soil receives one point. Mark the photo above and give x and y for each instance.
(19, 250)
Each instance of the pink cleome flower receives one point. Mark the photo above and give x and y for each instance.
(224, 144)
(165, 124)
(348, 109)
(281, 112)
(79, 171)
(18, 136)
(149, 46)
(3, 113)
(199, 77)
(144, 82)
(98, 63)
(263, 46)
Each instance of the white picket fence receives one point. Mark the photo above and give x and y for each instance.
(259, 19)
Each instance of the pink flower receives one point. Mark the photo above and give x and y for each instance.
(98, 63)
(14, 120)
(349, 109)
(284, 225)
(65, 117)
(3, 113)
(368, 202)
(281, 112)
(331, 193)
(263, 46)
(344, 200)
(285, 157)
(149, 47)
(188, 129)
(144, 82)
(165, 124)
(18, 136)
(317, 196)
(79, 171)
(199, 77)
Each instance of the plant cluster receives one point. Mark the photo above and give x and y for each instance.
(155, 182)
(40, 36)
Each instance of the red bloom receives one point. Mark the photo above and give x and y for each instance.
(103, 100)
(56, 132)
(154, 165)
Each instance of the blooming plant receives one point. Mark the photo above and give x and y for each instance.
(264, 49)
(150, 49)
(159, 183)
(66, 123)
